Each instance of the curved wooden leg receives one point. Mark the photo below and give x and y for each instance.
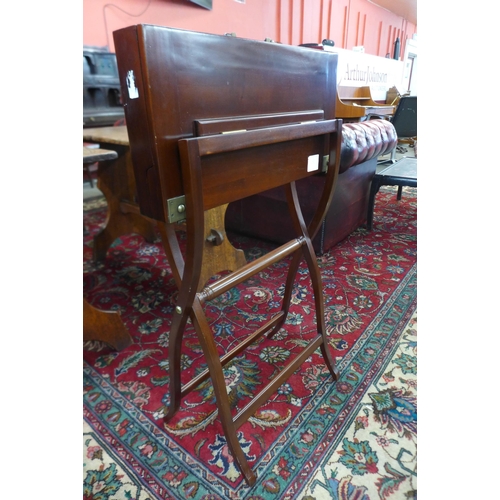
(116, 182)
(117, 224)
(174, 360)
(102, 241)
(320, 307)
(106, 326)
(187, 274)
(315, 274)
(183, 310)
(189, 305)
(172, 251)
(219, 384)
(216, 257)
(287, 296)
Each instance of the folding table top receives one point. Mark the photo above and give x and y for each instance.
(178, 84)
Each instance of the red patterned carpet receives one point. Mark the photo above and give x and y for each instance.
(314, 438)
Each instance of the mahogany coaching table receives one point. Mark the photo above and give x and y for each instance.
(213, 119)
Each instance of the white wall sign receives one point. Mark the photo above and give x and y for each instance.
(357, 69)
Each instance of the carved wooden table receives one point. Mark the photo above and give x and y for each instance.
(106, 326)
(117, 182)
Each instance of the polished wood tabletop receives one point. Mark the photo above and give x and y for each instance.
(110, 135)
(92, 155)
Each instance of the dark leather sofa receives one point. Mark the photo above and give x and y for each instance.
(265, 216)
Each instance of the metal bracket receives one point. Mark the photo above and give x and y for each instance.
(215, 237)
(176, 209)
(324, 166)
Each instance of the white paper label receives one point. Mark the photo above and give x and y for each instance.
(133, 92)
(313, 163)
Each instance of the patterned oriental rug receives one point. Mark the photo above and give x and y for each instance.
(314, 438)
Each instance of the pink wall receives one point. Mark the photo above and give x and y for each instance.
(347, 22)
(376, 29)
(255, 19)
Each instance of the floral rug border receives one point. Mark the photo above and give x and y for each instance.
(173, 470)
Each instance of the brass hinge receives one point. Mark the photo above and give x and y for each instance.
(324, 166)
(176, 209)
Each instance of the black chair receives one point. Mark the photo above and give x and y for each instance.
(405, 123)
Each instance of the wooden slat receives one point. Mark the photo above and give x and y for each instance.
(92, 155)
(219, 125)
(276, 382)
(256, 335)
(253, 138)
(227, 282)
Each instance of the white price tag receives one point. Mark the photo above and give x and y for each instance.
(133, 92)
(313, 163)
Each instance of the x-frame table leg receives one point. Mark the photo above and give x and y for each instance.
(190, 305)
(193, 292)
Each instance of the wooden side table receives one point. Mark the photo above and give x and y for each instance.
(106, 326)
(115, 178)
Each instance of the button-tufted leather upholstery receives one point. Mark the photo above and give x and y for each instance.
(363, 141)
(266, 215)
